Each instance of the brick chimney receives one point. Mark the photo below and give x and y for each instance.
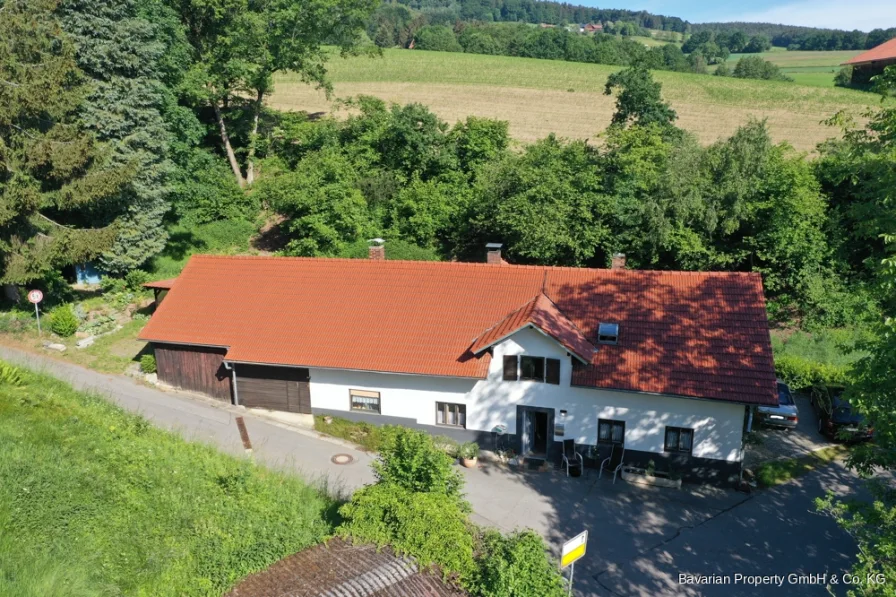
(493, 255)
(377, 250)
(618, 261)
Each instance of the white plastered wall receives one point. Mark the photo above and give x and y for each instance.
(717, 425)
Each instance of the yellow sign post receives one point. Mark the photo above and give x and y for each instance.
(573, 550)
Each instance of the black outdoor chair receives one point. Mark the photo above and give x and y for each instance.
(613, 462)
(572, 459)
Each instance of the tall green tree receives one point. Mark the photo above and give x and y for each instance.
(121, 52)
(54, 177)
(238, 46)
(546, 205)
(639, 100)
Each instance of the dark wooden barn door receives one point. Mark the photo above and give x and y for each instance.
(195, 368)
(274, 388)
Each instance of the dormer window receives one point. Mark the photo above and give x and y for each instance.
(608, 333)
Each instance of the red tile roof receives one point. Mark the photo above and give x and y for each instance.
(885, 51)
(692, 334)
(161, 284)
(542, 313)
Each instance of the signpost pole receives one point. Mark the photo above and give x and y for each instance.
(572, 571)
(573, 550)
(34, 297)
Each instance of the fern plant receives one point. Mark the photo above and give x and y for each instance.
(10, 375)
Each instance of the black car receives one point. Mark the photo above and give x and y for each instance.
(836, 418)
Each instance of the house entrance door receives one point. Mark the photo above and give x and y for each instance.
(536, 427)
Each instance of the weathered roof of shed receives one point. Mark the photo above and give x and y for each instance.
(340, 569)
(885, 51)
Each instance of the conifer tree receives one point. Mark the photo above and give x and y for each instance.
(54, 176)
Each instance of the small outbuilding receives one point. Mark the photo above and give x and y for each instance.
(871, 63)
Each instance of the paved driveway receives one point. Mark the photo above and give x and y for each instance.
(641, 538)
(780, 443)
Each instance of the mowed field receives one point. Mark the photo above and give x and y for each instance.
(806, 68)
(539, 97)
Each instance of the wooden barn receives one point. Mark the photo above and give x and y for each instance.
(873, 62)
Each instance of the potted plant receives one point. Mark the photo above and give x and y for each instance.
(468, 454)
(651, 476)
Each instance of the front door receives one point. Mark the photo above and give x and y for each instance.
(536, 426)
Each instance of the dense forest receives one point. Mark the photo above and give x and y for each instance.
(537, 11)
(803, 38)
(447, 12)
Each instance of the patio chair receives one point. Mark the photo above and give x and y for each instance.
(613, 462)
(572, 459)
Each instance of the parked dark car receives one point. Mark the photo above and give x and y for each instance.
(784, 415)
(836, 417)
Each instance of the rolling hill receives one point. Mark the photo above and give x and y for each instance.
(538, 97)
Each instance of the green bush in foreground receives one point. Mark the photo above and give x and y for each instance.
(122, 508)
(410, 459)
(430, 527)
(416, 508)
(63, 321)
(515, 566)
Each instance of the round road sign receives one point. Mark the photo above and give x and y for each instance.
(35, 296)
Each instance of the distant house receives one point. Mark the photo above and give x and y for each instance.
(592, 28)
(666, 365)
(873, 62)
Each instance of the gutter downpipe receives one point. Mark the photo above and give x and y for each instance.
(236, 394)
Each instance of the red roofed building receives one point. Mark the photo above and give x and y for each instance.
(663, 364)
(873, 62)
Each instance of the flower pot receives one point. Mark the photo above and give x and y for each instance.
(639, 476)
(468, 462)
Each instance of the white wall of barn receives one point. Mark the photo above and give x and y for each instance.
(717, 425)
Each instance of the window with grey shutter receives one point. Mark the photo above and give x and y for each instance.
(510, 368)
(552, 374)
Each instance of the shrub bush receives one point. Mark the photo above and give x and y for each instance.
(148, 363)
(514, 566)
(430, 527)
(135, 279)
(802, 374)
(410, 459)
(63, 321)
(446, 445)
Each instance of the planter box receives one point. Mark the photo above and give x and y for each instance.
(639, 476)
(468, 462)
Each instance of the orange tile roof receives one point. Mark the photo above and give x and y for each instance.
(885, 51)
(161, 284)
(681, 333)
(542, 313)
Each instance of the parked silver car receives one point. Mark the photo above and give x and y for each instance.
(785, 414)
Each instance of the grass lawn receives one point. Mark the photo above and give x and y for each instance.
(97, 502)
(538, 97)
(221, 237)
(815, 69)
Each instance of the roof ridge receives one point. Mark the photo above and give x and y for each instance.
(503, 319)
(545, 268)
